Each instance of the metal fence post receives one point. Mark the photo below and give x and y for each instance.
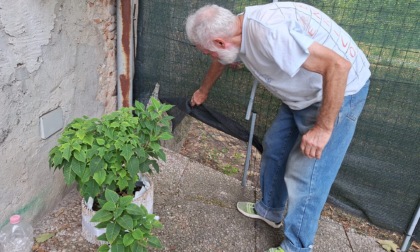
(249, 149)
(408, 237)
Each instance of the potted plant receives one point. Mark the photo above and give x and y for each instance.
(128, 226)
(112, 152)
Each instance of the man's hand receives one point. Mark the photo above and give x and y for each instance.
(198, 98)
(314, 142)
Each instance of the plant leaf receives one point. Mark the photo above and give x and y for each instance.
(91, 188)
(155, 146)
(166, 107)
(155, 165)
(69, 175)
(161, 155)
(133, 166)
(137, 234)
(165, 136)
(136, 247)
(80, 134)
(101, 216)
(89, 139)
(142, 244)
(80, 155)
(388, 245)
(111, 196)
(109, 206)
(133, 209)
(86, 175)
(100, 177)
(157, 224)
(128, 239)
(126, 222)
(43, 237)
(112, 232)
(100, 141)
(117, 248)
(102, 225)
(154, 242)
(102, 237)
(125, 201)
(103, 248)
(65, 149)
(57, 159)
(155, 102)
(96, 164)
(77, 167)
(118, 212)
(127, 152)
(141, 153)
(122, 183)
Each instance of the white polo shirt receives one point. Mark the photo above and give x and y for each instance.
(275, 42)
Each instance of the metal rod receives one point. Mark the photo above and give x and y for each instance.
(251, 99)
(408, 238)
(249, 149)
(251, 132)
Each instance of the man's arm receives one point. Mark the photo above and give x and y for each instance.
(214, 72)
(334, 70)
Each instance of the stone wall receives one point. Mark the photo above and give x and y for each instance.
(53, 54)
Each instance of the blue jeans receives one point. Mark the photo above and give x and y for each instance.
(287, 175)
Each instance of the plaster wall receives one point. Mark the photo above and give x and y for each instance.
(53, 53)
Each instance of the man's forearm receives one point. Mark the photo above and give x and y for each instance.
(334, 87)
(214, 72)
(212, 75)
(334, 70)
(314, 141)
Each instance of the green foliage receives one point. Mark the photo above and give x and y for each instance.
(230, 170)
(111, 151)
(128, 226)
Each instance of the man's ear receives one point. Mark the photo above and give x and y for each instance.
(219, 43)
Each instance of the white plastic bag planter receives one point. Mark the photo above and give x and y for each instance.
(90, 232)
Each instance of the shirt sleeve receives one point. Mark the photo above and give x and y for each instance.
(288, 44)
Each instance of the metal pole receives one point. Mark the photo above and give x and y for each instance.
(408, 238)
(251, 99)
(251, 133)
(248, 153)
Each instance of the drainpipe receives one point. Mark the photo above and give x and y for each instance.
(125, 52)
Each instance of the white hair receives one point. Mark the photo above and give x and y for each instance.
(210, 22)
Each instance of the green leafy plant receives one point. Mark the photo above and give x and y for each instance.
(110, 152)
(128, 226)
(230, 170)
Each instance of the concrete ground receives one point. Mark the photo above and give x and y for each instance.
(197, 206)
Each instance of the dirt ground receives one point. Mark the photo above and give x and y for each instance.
(226, 154)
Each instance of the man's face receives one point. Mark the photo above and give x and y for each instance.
(225, 56)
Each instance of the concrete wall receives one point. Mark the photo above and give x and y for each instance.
(53, 53)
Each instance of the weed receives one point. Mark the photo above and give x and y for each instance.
(230, 170)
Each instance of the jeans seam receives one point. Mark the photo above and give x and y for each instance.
(281, 155)
(308, 197)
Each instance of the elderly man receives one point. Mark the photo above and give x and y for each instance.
(322, 78)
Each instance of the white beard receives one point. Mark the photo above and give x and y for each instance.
(228, 55)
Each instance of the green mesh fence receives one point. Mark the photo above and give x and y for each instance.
(380, 176)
